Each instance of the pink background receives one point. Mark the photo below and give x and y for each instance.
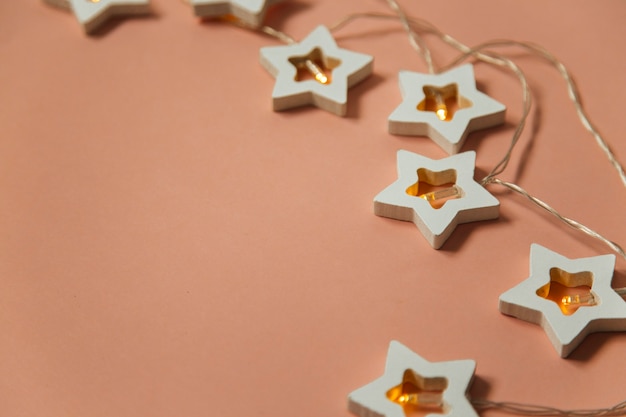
(169, 246)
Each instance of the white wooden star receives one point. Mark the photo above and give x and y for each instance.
(445, 107)
(251, 12)
(456, 198)
(93, 13)
(328, 90)
(531, 300)
(411, 383)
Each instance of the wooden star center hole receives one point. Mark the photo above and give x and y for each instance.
(418, 395)
(436, 187)
(314, 66)
(443, 101)
(570, 291)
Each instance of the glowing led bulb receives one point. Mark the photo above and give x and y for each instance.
(316, 71)
(440, 107)
(420, 398)
(571, 301)
(441, 110)
(443, 194)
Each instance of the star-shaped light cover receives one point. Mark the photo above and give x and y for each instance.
(569, 298)
(412, 385)
(436, 195)
(445, 107)
(93, 13)
(251, 12)
(314, 71)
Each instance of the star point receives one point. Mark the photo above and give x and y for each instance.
(445, 107)
(327, 92)
(436, 195)
(412, 384)
(91, 14)
(251, 12)
(601, 309)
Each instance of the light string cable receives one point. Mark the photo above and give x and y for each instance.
(415, 40)
(538, 410)
(572, 90)
(499, 60)
(499, 168)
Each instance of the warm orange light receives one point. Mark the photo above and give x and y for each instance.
(314, 66)
(438, 97)
(316, 71)
(417, 393)
(569, 290)
(226, 18)
(441, 110)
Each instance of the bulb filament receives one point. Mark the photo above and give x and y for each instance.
(440, 107)
(575, 301)
(316, 71)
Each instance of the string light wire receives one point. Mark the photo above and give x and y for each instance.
(572, 90)
(415, 40)
(538, 410)
(570, 222)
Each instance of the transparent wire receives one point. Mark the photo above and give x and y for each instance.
(538, 410)
(415, 40)
(572, 91)
(570, 222)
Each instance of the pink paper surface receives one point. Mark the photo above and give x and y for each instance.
(169, 246)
